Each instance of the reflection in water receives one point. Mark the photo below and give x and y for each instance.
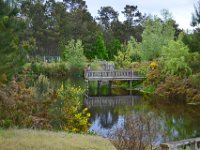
(110, 113)
(112, 109)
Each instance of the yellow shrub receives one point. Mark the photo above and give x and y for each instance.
(153, 65)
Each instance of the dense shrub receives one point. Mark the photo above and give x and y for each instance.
(66, 110)
(123, 59)
(177, 89)
(41, 107)
(175, 59)
(141, 68)
(50, 69)
(73, 54)
(17, 105)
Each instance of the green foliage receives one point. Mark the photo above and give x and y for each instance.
(100, 48)
(123, 58)
(40, 107)
(73, 54)
(196, 15)
(66, 110)
(134, 51)
(30, 45)
(192, 40)
(194, 62)
(175, 59)
(195, 80)
(176, 89)
(42, 86)
(51, 22)
(12, 55)
(156, 35)
(106, 15)
(114, 47)
(16, 105)
(150, 89)
(95, 65)
(140, 67)
(153, 77)
(50, 69)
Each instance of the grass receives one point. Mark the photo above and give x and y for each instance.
(25, 139)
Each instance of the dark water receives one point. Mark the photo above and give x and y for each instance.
(111, 109)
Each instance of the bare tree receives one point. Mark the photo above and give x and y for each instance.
(139, 133)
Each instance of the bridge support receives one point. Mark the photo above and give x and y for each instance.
(110, 87)
(99, 82)
(130, 83)
(87, 87)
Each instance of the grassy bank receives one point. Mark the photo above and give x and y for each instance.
(24, 139)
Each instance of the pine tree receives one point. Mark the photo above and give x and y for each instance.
(100, 48)
(11, 53)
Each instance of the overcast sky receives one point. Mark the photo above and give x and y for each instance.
(180, 9)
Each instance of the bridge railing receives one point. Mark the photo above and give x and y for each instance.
(192, 144)
(111, 100)
(111, 74)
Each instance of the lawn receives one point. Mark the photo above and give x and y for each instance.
(24, 139)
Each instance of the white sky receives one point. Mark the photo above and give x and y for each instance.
(181, 9)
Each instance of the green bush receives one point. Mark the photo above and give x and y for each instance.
(175, 59)
(66, 110)
(195, 80)
(73, 54)
(50, 69)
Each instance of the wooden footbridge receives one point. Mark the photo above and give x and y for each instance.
(108, 75)
(191, 144)
(112, 75)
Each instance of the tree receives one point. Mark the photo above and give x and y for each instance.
(41, 25)
(107, 15)
(133, 16)
(123, 58)
(132, 26)
(12, 54)
(73, 54)
(133, 49)
(52, 23)
(168, 19)
(175, 58)
(100, 48)
(192, 40)
(113, 48)
(73, 5)
(157, 33)
(196, 15)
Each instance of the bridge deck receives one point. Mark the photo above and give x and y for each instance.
(113, 75)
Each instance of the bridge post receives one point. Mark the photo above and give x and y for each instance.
(130, 83)
(110, 87)
(87, 86)
(99, 87)
(193, 146)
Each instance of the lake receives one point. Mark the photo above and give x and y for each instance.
(112, 109)
(115, 108)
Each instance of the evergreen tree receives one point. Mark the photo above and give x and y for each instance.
(100, 48)
(12, 55)
(106, 16)
(196, 15)
(114, 47)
